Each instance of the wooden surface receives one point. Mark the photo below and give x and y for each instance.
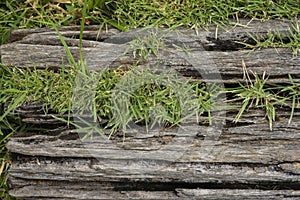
(213, 47)
(227, 161)
(246, 161)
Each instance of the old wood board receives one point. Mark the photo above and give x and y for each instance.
(229, 161)
(103, 48)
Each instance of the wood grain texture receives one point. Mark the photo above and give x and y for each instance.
(226, 160)
(216, 50)
(170, 164)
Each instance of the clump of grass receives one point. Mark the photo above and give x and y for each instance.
(196, 13)
(125, 14)
(145, 45)
(293, 94)
(6, 130)
(276, 40)
(53, 89)
(4, 166)
(269, 9)
(150, 97)
(35, 14)
(257, 94)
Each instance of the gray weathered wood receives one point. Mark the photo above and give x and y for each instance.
(251, 141)
(216, 50)
(243, 156)
(222, 161)
(102, 191)
(237, 194)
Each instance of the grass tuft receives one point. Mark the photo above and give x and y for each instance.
(257, 94)
(276, 40)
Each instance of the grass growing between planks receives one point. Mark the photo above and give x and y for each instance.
(54, 89)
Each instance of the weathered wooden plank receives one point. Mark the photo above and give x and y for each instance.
(103, 191)
(252, 131)
(92, 32)
(42, 48)
(277, 63)
(56, 178)
(143, 170)
(234, 32)
(226, 160)
(237, 194)
(251, 144)
(46, 189)
(247, 155)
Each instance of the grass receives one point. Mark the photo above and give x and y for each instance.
(196, 13)
(4, 176)
(144, 46)
(257, 94)
(125, 14)
(150, 102)
(293, 91)
(276, 40)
